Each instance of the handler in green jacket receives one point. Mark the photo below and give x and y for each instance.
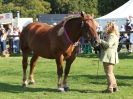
(109, 55)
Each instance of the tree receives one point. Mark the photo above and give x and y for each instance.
(5, 8)
(27, 8)
(34, 7)
(59, 6)
(68, 6)
(106, 6)
(31, 8)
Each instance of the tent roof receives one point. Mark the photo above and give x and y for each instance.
(123, 11)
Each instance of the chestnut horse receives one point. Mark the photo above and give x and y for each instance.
(55, 42)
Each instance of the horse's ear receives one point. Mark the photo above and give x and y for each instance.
(82, 14)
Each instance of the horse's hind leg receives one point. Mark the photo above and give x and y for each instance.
(24, 66)
(32, 65)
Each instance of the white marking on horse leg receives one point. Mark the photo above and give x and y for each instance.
(31, 80)
(59, 82)
(60, 85)
(25, 83)
(61, 89)
(65, 86)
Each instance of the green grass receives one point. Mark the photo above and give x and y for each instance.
(83, 80)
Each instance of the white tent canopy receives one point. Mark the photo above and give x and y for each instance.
(119, 15)
(123, 11)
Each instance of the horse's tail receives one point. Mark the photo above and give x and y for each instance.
(24, 39)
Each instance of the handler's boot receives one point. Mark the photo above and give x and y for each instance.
(110, 90)
(115, 89)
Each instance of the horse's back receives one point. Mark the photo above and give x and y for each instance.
(32, 33)
(35, 27)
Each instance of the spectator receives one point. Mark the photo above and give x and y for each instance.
(122, 29)
(10, 35)
(127, 27)
(130, 21)
(124, 39)
(99, 28)
(131, 34)
(16, 47)
(3, 37)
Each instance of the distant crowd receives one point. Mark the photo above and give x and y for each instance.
(126, 35)
(9, 39)
(126, 38)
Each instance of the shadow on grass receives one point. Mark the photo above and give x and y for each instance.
(5, 87)
(85, 91)
(100, 79)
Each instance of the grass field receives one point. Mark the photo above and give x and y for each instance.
(83, 80)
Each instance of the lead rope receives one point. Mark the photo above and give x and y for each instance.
(98, 62)
(97, 70)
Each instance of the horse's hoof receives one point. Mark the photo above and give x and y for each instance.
(31, 83)
(24, 85)
(61, 90)
(66, 88)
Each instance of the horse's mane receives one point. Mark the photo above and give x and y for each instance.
(69, 17)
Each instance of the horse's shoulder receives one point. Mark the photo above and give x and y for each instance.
(38, 25)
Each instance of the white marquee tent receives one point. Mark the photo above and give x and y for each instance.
(119, 15)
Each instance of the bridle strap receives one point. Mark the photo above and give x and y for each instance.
(67, 37)
(66, 33)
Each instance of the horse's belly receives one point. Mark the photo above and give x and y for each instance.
(48, 57)
(45, 53)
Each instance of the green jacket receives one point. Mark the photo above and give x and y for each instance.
(109, 49)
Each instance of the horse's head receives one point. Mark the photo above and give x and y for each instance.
(89, 26)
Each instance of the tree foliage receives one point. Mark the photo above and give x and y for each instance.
(106, 6)
(67, 6)
(98, 7)
(31, 8)
(27, 8)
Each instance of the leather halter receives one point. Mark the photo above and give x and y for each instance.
(66, 33)
(67, 37)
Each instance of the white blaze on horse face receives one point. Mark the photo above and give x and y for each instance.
(60, 32)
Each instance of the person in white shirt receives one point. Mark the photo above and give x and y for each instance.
(16, 47)
(3, 37)
(131, 34)
(122, 29)
(10, 35)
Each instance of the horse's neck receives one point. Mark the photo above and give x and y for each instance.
(74, 35)
(73, 28)
(70, 32)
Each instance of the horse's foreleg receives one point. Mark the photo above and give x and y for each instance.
(59, 62)
(32, 65)
(24, 66)
(69, 61)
